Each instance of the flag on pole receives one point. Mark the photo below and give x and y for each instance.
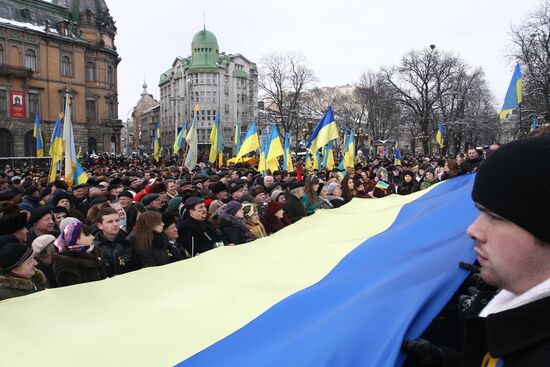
(396, 154)
(215, 141)
(287, 157)
(328, 156)
(74, 173)
(514, 93)
(534, 123)
(274, 149)
(156, 142)
(237, 139)
(178, 143)
(325, 131)
(349, 156)
(37, 133)
(56, 148)
(440, 136)
(192, 147)
(251, 141)
(262, 166)
(342, 164)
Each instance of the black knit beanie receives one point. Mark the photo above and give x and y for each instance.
(513, 183)
(13, 254)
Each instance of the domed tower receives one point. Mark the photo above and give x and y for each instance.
(204, 52)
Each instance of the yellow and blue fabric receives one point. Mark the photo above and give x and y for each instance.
(309, 161)
(513, 96)
(74, 173)
(328, 156)
(489, 361)
(287, 157)
(262, 166)
(317, 160)
(349, 156)
(396, 154)
(215, 141)
(56, 149)
(325, 131)
(237, 139)
(251, 141)
(382, 185)
(321, 298)
(534, 123)
(274, 149)
(156, 142)
(440, 135)
(178, 143)
(37, 134)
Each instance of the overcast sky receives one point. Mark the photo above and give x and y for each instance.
(339, 39)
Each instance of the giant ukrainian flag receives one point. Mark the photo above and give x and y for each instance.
(326, 291)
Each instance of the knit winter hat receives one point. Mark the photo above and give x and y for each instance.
(41, 242)
(275, 194)
(513, 183)
(214, 206)
(332, 186)
(232, 207)
(68, 237)
(66, 221)
(13, 254)
(12, 223)
(273, 207)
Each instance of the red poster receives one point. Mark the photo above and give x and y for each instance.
(17, 104)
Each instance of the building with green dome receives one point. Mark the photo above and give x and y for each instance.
(226, 84)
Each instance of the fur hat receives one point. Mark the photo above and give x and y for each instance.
(232, 207)
(249, 210)
(12, 223)
(273, 207)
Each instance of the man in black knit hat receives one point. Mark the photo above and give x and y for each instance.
(512, 242)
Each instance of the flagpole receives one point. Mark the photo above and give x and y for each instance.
(522, 133)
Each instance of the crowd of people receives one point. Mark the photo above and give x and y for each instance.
(131, 215)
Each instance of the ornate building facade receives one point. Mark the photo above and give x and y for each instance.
(49, 49)
(221, 83)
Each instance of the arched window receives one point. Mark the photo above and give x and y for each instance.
(90, 72)
(30, 144)
(66, 66)
(6, 148)
(30, 60)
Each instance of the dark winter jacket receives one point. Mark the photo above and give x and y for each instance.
(117, 254)
(12, 286)
(233, 229)
(336, 201)
(73, 267)
(294, 208)
(470, 165)
(198, 236)
(519, 337)
(406, 188)
(155, 255)
(131, 217)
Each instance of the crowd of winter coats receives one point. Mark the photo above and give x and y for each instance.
(131, 215)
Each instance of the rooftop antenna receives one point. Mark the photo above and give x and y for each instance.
(204, 19)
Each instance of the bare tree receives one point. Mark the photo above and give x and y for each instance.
(531, 48)
(419, 82)
(377, 98)
(283, 80)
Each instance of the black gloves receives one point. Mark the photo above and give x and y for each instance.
(424, 352)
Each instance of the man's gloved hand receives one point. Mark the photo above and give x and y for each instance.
(424, 352)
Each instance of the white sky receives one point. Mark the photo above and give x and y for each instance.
(339, 39)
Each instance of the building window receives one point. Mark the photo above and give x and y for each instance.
(214, 97)
(90, 72)
(66, 66)
(30, 60)
(110, 75)
(34, 104)
(91, 115)
(3, 104)
(1, 55)
(111, 115)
